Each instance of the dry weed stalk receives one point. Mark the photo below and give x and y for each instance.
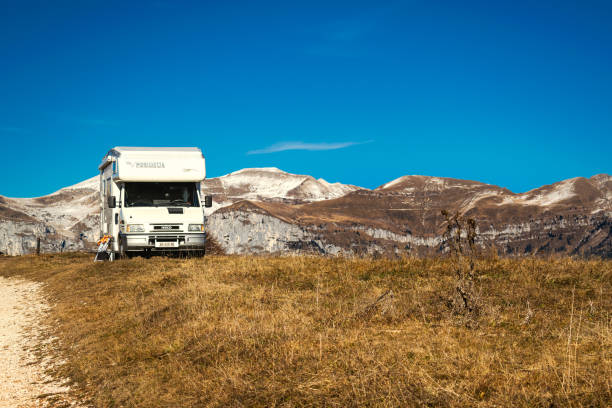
(528, 315)
(570, 374)
(460, 238)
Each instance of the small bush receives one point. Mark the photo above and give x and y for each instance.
(460, 239)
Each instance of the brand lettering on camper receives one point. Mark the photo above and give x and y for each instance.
(150, 165)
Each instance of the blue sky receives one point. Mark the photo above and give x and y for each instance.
(517, 94)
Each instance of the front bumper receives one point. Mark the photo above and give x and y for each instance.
(163, 242)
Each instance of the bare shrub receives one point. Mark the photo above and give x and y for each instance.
(213, 247)
(528, 315)
(460, 239)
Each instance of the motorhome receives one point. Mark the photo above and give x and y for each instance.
(151, 201)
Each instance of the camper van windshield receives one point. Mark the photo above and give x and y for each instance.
(161, 195)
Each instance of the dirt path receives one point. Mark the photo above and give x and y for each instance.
(22, 377)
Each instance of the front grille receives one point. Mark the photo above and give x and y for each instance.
(166, 227)
(166, 238)
(175, 210)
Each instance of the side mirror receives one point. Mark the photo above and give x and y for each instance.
(112, 202)
(208, 201)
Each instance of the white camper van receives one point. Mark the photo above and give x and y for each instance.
(150, 200)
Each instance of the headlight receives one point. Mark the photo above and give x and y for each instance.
(134, 228)
(196, 227)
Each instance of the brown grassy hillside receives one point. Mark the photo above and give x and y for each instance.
(296, 331)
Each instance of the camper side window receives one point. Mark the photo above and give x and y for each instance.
(107, 190)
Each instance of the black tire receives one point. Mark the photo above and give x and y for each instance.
(122, 253)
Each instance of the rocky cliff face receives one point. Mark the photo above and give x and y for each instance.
(403, 217)
(270, 211)
(248, 228)
(69, 217)
(65, 220)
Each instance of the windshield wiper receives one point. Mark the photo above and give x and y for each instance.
(187, 203)
(140, 204)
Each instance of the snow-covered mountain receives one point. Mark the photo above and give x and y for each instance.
(273, 185)
(596, 191)
(71, 213)
(63, 208)
(269, 210)
(403, 217)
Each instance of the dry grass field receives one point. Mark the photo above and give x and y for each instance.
(307, 331)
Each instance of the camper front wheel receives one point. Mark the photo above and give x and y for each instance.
(122, 253)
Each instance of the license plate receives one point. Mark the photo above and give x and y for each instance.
(170, 244)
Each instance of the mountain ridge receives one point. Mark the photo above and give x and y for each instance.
(404, 211)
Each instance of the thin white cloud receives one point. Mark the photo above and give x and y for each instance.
(284, 146)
